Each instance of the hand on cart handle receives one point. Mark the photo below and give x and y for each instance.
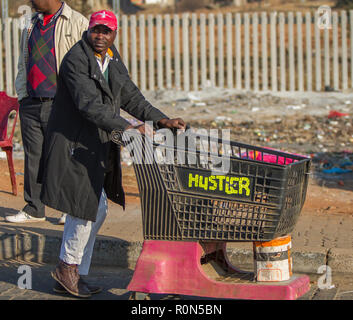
(176, 123)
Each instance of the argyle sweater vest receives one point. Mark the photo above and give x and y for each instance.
(41, 67)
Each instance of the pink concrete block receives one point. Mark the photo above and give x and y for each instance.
(174, 267)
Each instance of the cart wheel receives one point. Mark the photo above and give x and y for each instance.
(139, 296)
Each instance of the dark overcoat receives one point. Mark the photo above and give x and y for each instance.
(79, 157)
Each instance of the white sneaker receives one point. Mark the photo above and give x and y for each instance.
(62, 219)
(22, 217)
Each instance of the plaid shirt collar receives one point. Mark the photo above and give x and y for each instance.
(40, 16)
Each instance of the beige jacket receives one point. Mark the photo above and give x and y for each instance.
(68, 30)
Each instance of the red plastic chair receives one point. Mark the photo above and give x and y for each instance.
(8, 104)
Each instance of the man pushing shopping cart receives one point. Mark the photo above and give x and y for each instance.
(191, 209)
(82, 167)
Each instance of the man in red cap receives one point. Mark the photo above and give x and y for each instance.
(82, 166)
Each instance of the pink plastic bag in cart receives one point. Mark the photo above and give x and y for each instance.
(269, 158)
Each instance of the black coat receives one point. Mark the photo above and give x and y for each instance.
(86, 109)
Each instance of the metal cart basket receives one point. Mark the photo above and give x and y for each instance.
(259, 198)
(198, 193)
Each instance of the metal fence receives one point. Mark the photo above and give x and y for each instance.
(248, 51)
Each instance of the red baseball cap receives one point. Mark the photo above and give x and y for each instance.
(104, 17)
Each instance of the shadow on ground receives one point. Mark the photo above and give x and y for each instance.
(39, 284)
(42, 245)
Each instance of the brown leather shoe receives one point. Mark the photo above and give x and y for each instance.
(68, 277)
(58, 288)
(92, 288)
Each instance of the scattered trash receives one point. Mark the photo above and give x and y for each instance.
(222, 119)
(295, 107)
(183, 108)
(194, 97)
(334, 163)
(307, 125)
(336, 114)
(336, 170)
(199, 104)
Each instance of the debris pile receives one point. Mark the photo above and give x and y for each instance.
(307, 134)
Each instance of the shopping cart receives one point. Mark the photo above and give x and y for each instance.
(195, 199)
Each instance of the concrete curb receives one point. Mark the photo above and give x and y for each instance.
(120, 253)
(340, 259)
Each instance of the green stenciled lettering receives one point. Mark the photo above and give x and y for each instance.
(230, 185)
(221, 179)
(214, 183)
(203, 182)
(193, 179)
(244, 184)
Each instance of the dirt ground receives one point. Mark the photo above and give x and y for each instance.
(320, 199)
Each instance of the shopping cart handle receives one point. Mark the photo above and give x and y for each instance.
(117, 137)
(175, 130)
